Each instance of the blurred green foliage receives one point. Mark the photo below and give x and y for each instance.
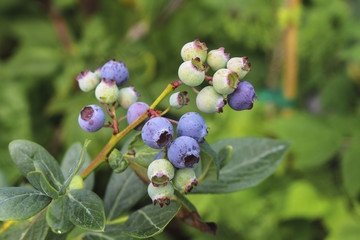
(314, 194)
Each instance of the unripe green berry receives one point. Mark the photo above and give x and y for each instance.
(194, 49)
(217, 58)
(192, 72)
(88, 80)
(117, 161)
(160, 172)
(107, 91)
(225, 81)
(127, 96)
(185, 179)
(161, 194)
(179, 99)
(76, 182)
(240, 65)
(209, 101)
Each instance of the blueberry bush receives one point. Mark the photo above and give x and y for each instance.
(155, 160)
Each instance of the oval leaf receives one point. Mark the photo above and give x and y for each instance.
(85, 209)
(253, 160)
(30, 157)
(150, 220)
(123, 192)
(56, 217)
(21, 203)
(208, 167)
(38, 180)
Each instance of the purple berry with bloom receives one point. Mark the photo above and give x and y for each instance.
(134, 111)
(117, 71)
(157, 133)
(192, 124)
(243, 97)
(91, 118)
(184, 152)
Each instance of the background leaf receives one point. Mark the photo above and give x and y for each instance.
(150, 220)
(85, 209)
(208, 167)
(123, 192)
(350, 166)
(56, 216)
(253, 160)
(21, 203)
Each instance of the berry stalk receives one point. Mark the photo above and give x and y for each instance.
(101, 157)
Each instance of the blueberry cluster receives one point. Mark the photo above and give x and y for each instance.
(226, 80)
(106, 82)
(175, 163)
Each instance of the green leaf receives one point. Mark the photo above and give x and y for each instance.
(253, 160)
(75, 167)
(144, 154)
(38, 180)
(21, 203)
(123, 192)
(150, 220)
(184, 201)
(31, 229)
(56, 216)
(85, 209)
(72, 155)
(350, 166)
(225, 155)
(112, 232)
(30, 157)
(208, 169)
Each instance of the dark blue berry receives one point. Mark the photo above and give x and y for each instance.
(192, 124)
(157, 133)
(134, 111)
(91, 118)
(243, 97)
(113, 70)
(184, 152)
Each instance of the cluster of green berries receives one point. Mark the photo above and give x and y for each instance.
(173, 167)
(227, 79)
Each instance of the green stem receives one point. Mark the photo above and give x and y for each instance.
(101, 157)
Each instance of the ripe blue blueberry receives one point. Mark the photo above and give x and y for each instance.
(217, 58)
(134, 111)
(117, 71)
(179, 99)
(91, 118)
(160, 172)
(240, 65)
(243, 97)
(192, 124)
(194, 49)
(192, 72)
(210, 101)
(161, 194)
(157, 133)
(88, 80)
(107, 91)
(225, 81)
(184, 152)
(127, 96)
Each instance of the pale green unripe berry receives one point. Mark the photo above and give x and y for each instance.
(179, 99)
(160, 172)
(161, 194)
(194, 49)
(192, 72)
(185, 179)
(127, 96)
(88, 80)
(225, 81)
(209, 101)
(107, 91)
(76, 182)
(240, 65)
(217, 58)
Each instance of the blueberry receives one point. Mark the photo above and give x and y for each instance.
(225, 81)
(127, 96)
(88, 80)
(194, 49)
(157, 133)
(185, 179)
(117, 71)
(243, 97)
(192, 124)
(217, 58)
(184, 152)
(179, 99)
(161, 194)
(107, 91)
(192, 72)
(160, 172)
(210, 101)
(91, 118)
(240, 65)
(159, 155)
(134, 111)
